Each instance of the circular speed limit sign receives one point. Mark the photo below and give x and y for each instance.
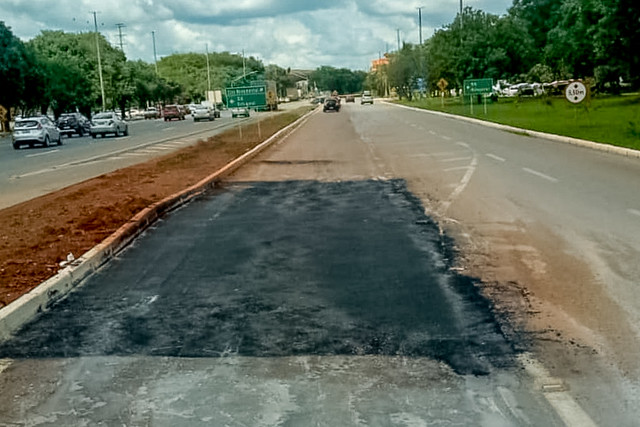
(576, 92)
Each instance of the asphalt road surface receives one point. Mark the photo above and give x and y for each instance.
(31, 172)
(313, 289)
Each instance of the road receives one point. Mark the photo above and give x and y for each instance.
(316, 287)
(31, 172)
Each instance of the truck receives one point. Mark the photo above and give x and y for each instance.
(260, 95)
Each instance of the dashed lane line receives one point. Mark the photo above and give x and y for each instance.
(634, 212)
(43, 153)
(494, 157)
(540, 175)
(455, 159)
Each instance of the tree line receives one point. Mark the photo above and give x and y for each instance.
(536, 41)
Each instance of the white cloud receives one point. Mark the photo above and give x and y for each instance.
(289, 33)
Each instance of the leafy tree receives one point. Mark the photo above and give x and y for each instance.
(342, 80)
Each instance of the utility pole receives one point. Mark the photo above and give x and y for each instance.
(244, 67)
(155, 57)
(120, 27)
(208, 69)
(398, 36)
(420, 21)
(95, 23)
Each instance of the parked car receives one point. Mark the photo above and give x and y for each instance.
(202, 112)
(170, 112)
(70, 123)
(240, 111)
(331, 104)
(106, 123)
(151, 113)
(366, 98)
(35, 130)
(216, 113)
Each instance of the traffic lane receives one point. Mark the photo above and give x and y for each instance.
(263, 275)
(40, 172)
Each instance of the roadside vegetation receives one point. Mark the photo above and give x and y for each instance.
(612, 120)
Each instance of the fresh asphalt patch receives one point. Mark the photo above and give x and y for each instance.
(280, 269)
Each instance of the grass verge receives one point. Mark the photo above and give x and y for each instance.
(611, 120)
(37, 234)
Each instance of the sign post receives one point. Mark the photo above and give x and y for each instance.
(442, 85)
(478, 87)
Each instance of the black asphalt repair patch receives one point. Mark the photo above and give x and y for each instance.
(280, 269)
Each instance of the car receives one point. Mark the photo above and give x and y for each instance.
(35, 130)
(331, 104)
(240, 111)
(350, 98)
(106, 123)
(366, 98)
(73, 123)
(202, 112)
(170, 112)
(216, 113)
(151, 113)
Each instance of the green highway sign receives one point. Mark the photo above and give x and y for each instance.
(247, 96)
(477, 86)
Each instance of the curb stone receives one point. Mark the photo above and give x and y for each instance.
(627, 152)
(47, 293)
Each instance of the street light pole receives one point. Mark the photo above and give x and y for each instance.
(95, 23)
(208, 69)
(155, 57)
(420, 21)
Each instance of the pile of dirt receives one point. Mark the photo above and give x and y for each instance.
(36, 235)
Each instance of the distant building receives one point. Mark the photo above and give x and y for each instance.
(377, 63)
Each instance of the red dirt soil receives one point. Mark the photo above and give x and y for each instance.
(36, 235)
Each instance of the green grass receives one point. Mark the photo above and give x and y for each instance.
(607, 119)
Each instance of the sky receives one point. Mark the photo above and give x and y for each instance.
(300, 34)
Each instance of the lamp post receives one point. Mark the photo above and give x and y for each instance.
(420, 21)
(95, 23)
(155, 57)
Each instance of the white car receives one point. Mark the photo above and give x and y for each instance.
(35, 130)
(366, 98)
(108, 122)
(202, 112)
(240, 111)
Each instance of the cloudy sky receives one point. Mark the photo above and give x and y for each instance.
(302, 34)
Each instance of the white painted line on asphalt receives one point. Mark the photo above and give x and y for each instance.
(432, 132)
(540, 175)
(455, 159)
(169, 128)
(43, 153)
(4, 364)
(135, 153)
(462, 144)
(446, 138)
(556, 394)
(444, 153)
(494, 157)
(458, 168)
(634, 212)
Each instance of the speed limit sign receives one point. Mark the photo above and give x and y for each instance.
(576, 92)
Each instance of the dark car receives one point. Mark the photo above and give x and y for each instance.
(350, 98)
(171, 112)
(73, 123)
(331, 104)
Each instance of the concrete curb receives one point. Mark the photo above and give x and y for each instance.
(627, 152)
(38, 300)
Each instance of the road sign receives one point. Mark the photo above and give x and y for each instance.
(477, 86)
(442, 84)
(247, 96)
(576, 92)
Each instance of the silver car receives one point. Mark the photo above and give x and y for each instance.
(35, 130)
(202, 112)
(108, 122)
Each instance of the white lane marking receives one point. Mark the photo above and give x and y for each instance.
(42, 154)
(462, 144)
(169, 128)
(446, 138)
(455, 159)
(4, 364)
(634, 212)
(494, 157)
(135, 153)
(444, 153)
(432, 132)
(458, 168)
(540, 175)
(555, 392)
